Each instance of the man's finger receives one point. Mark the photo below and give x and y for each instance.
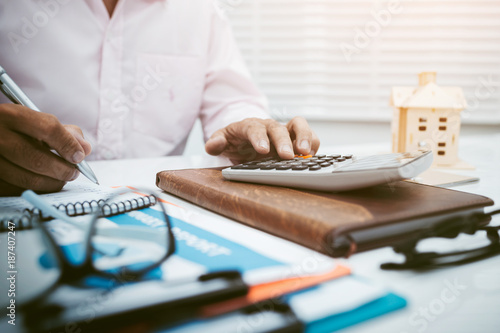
(22, 178)
(300, 130)
(7, 189)
(280, 138)
(315, 144)
(78, 134)
(35, 157)
(217, 143)
(257, 135)
(47, 128)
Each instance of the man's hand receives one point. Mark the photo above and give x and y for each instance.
(254, 138)
(26, 162)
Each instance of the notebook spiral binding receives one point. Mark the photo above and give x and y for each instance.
(126, 206)
(24, 220)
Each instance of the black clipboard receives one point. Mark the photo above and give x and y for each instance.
(271, 316)
(145, 302)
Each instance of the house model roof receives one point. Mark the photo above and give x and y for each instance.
(428, 95)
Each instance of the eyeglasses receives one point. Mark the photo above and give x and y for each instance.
(450, 228)
(117, 241)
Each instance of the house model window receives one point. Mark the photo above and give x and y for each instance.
(428, 116)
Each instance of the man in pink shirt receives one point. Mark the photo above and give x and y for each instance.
(133, 75)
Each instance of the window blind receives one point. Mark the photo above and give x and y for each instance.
(338, 59)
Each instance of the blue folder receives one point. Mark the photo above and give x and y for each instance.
(378, 307)
(342, 302)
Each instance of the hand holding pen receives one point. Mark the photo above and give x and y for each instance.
(26, 140)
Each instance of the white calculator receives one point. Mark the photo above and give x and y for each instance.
(332, 172)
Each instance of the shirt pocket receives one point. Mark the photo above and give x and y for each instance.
(167, 95)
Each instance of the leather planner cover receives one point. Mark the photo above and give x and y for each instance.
(337, 224)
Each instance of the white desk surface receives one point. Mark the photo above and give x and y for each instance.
(454, 299)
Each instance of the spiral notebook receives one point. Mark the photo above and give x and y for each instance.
(76, 198)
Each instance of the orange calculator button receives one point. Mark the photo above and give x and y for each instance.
(303, 156)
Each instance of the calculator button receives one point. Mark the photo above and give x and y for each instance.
(250, 163)
(267, 167)
(340, 159)
(347, 156)
(324, 164)
(250, 167)
(320, 156)
(283, 167)
(299, 167)
(315, 167)
(326, 158)
(310, 163)
(334, 156)
(238, 166)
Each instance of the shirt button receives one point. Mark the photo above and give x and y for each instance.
(109, 38)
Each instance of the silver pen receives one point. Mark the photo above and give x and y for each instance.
(17, 96)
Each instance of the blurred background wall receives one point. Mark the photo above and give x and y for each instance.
(334, 61)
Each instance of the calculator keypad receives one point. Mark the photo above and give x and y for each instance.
(299, 163)
(318, 162)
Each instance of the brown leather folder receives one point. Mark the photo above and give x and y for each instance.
(337, 224)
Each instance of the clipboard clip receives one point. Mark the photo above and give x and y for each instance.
(270, 316)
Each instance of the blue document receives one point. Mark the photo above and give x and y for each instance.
(198, 251)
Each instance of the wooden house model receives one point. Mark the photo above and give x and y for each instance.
(428, 116)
